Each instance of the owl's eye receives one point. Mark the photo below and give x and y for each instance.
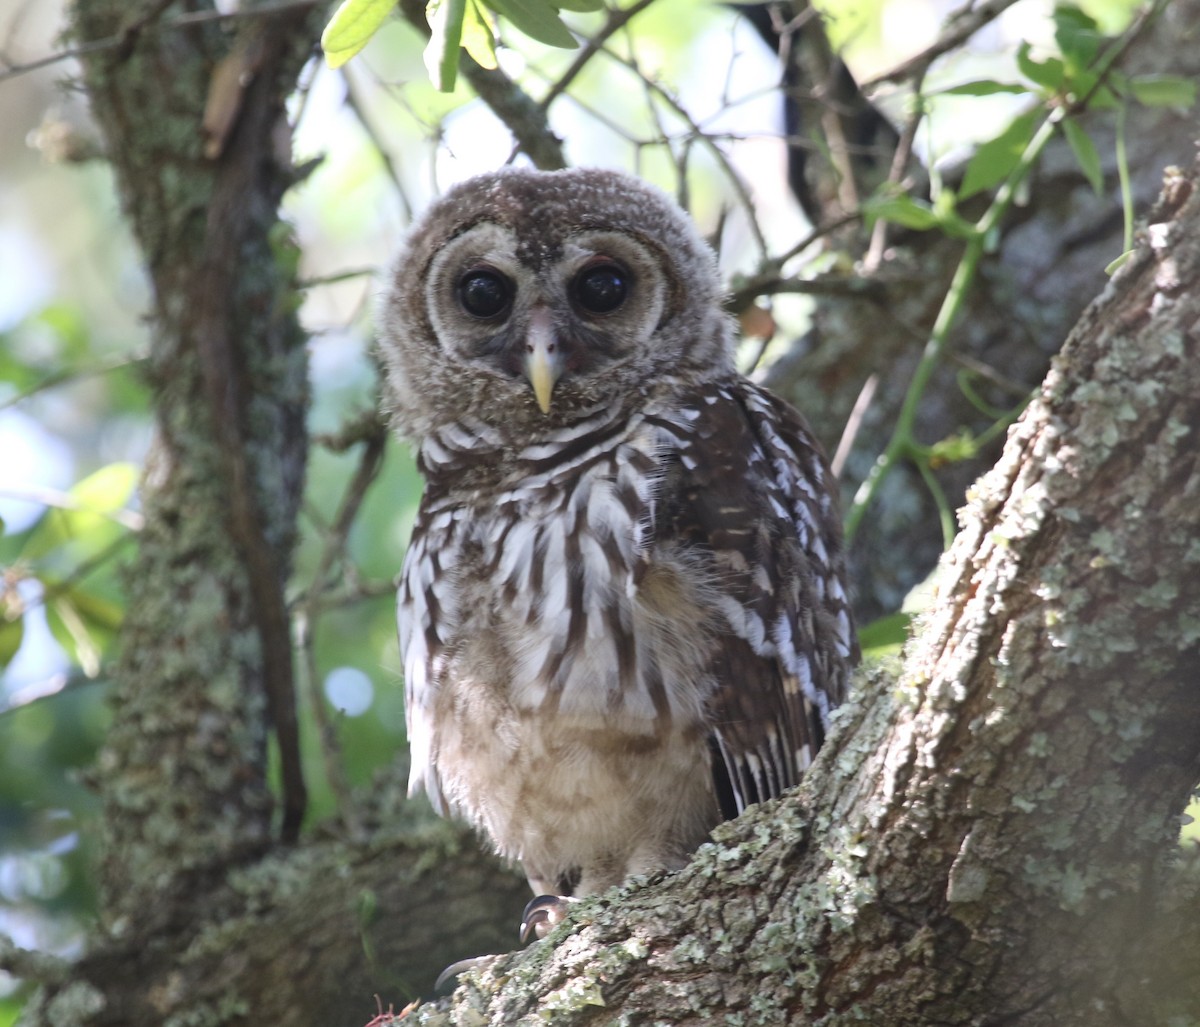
(484, 293)
(600, 289)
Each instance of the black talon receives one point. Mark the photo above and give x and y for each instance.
(454, 969)
(541, 915)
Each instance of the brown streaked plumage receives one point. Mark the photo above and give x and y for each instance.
(623, 614)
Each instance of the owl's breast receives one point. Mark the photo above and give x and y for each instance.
(549, 599)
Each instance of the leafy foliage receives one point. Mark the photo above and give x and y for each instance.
(468, 24)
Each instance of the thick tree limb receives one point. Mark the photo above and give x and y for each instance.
(984, 840)
(303, 936)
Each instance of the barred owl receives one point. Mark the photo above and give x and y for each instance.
(623, 613)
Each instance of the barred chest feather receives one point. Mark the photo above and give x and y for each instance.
(561, 648)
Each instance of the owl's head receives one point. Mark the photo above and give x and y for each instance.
(524, 299)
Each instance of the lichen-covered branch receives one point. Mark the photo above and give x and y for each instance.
(985, 839)
(303, 936)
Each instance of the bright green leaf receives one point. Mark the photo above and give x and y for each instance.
(94, 508)
(885, 635)
(1085, 152)
(901, 210)
(1050, 73)
(537, 19)
(1163, 91)
(477, 37)
(11, 634)
(997, 157)
(982, 87)
(351, 28)
(107, 490)
(961, 445)
(445, 35)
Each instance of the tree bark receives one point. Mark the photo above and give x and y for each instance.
(987, 837)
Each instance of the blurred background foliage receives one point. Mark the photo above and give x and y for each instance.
(76, 428)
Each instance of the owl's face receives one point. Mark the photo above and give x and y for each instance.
(524, 299)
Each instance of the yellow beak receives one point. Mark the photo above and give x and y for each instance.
(543, 357)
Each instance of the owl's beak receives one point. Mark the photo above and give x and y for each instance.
(543, 357)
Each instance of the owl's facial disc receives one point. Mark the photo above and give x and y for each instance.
(553, 324)
(542, 327)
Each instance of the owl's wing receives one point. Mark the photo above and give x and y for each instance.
(750, 485)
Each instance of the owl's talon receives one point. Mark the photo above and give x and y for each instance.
(542, 915)
(454, 969)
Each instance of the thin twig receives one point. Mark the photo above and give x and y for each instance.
(336, 277)
(51, 592)
(898, 170)
(331, 752)
(370, 461)
(32, 966)
(24, 695)
(45, 496)
(70, 374)
(739, 187)
(616, 21)
(853, 424)
(772, 283)
(385, 156)
(960, 26)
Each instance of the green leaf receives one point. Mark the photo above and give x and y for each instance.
(900, 210)
(1085, 152)
(107, 490)
(997, 157)
(477, 37)
(579, 5)
(1050, 73)
(11, 634)
(445, 36)
(982, 87)
(351, 28)
(95, 503)
(1163, 91)
(885, 636)
(537, 19)
(98, 613)
(70, 631)
(84, 624)
(1077, 35)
